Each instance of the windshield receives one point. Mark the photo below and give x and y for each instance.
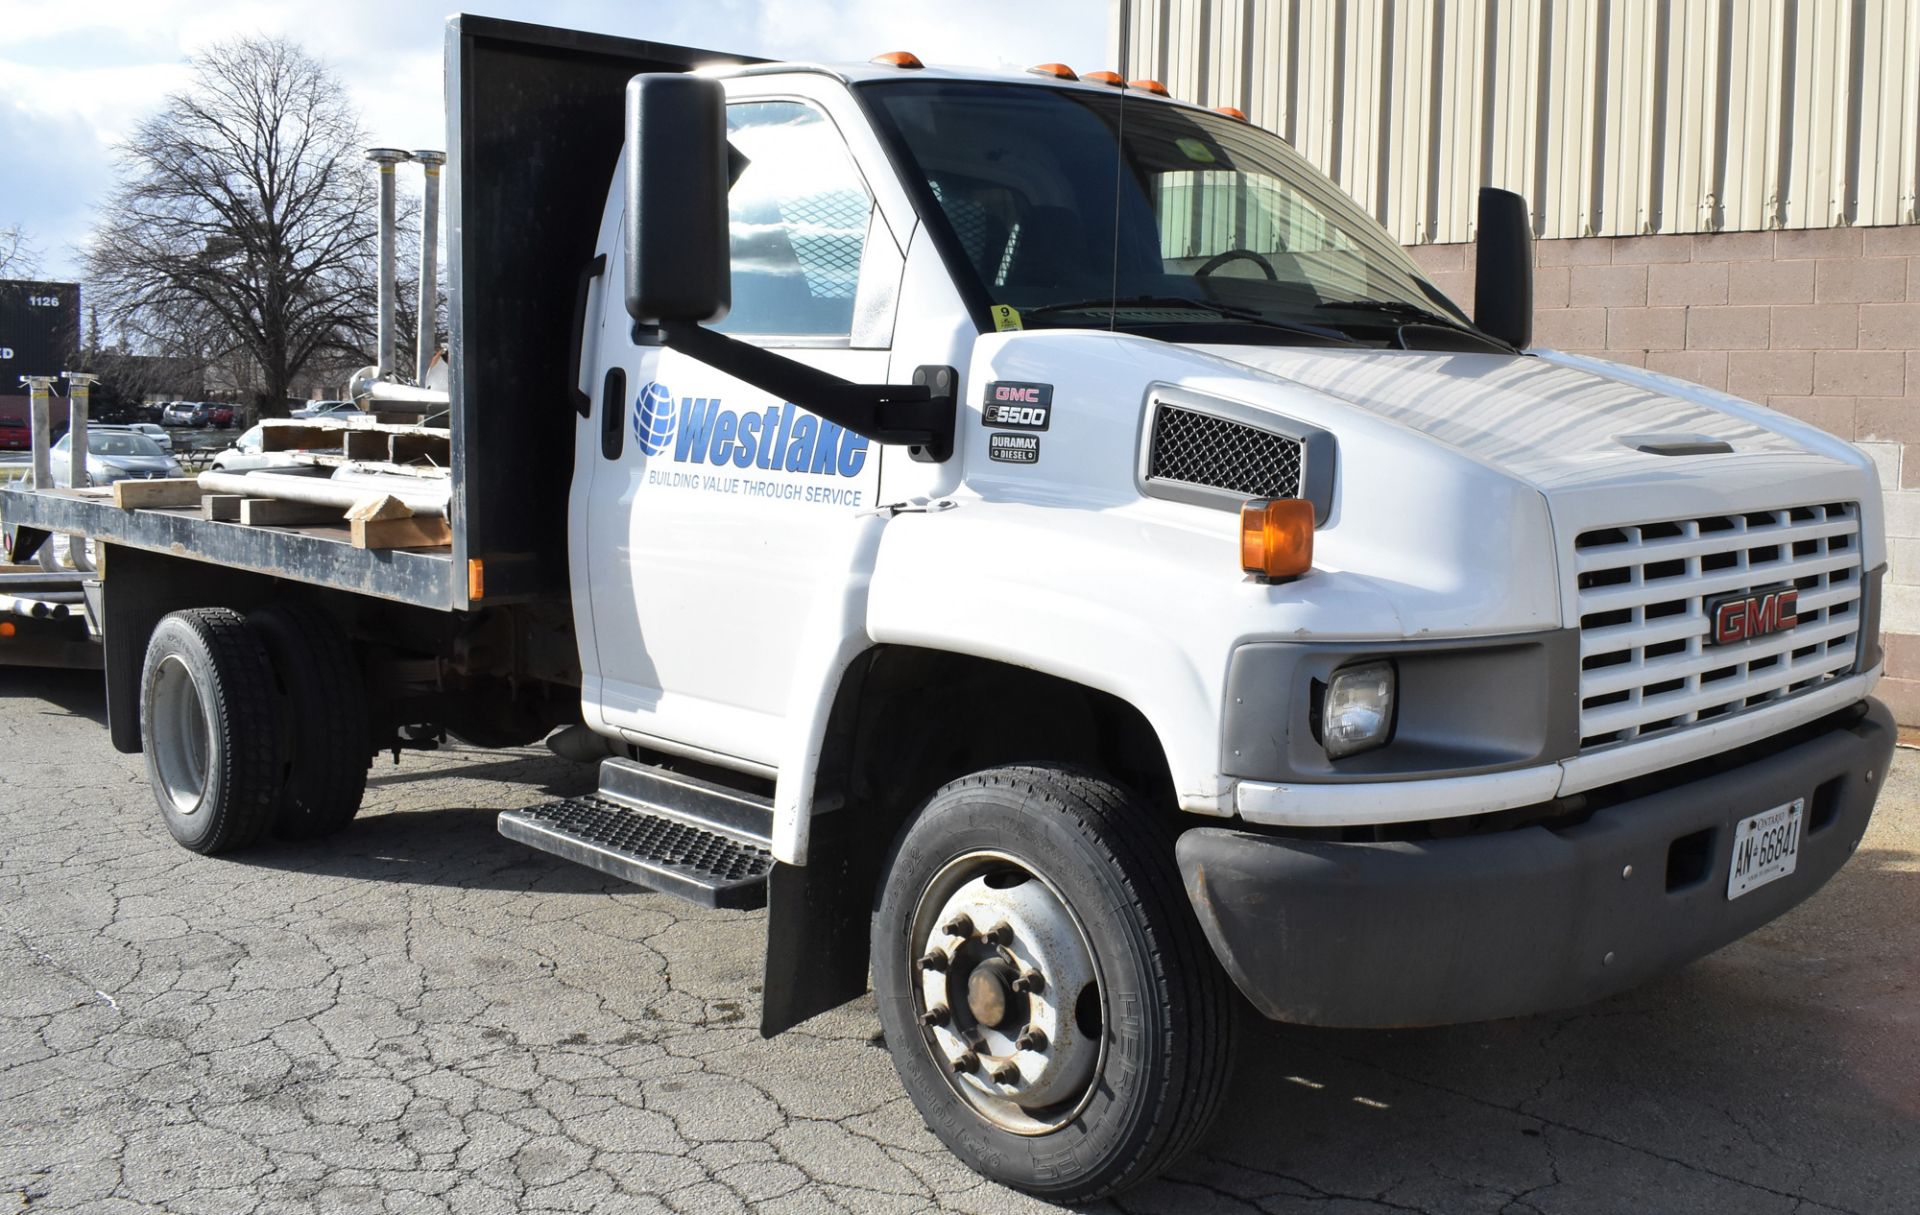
(1081, 208)
(122, 443)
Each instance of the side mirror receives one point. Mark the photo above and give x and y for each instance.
(1503, 280)
(677, 179)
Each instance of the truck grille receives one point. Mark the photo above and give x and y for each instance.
(1646, 667)
(1195, 448)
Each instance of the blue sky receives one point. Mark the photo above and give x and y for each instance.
(76, 75)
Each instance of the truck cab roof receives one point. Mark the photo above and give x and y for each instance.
(870, 73)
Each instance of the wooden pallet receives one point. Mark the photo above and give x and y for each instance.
(360, 442)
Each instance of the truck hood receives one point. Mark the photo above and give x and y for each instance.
(1559, 421)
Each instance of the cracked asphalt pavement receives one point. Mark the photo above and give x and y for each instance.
(419, 1016)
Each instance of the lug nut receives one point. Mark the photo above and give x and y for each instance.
(966, 1062)
(959, 926)
(935, 960)
(1029, 983)
(1000, 934)
(1034, 1038)
(1006, 1073)
(937, 1015)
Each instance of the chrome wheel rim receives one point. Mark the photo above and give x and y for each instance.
(182, 736)
(1008, 993)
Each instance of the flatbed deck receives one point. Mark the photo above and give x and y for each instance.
(321, 555)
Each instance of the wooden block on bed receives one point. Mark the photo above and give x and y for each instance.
(378, 508)
(277, 512)
(143, 495)
(419, 531)
(221, 508)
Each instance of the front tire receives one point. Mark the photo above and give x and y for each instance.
(210, 729)
(1047, 996)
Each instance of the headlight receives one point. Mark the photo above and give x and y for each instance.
(1357, 714)
(174, 469)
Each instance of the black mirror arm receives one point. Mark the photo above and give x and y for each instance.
(918, 415)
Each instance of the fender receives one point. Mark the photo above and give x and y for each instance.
(1096, 611)
(835, 634)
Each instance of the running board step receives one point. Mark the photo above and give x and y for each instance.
(668, 832)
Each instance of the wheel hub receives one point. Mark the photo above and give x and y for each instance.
(181, 738)
(989, 992)
(1005, 980)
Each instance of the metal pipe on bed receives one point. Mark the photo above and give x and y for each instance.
(421, 499)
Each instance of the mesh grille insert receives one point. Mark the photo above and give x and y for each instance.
(1197, 448)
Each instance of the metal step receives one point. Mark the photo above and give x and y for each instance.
(663, 830)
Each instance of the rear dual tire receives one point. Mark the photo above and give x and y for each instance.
(252, 726)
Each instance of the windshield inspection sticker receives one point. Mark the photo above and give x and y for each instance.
(1005, 318)
(1013, 405)
(1014, 449)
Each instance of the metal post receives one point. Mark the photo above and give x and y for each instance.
(424, 342)
(386, 158)
(42, 421)
(79, 397)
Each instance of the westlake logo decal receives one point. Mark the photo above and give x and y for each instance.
(782, 439)
(653, 417)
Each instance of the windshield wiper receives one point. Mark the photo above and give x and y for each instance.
(1182, 301)
(1399, 308)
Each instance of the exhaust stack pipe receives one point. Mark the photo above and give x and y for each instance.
(386, 158)
(425, 342)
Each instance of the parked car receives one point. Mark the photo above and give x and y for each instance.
(321, 409)
(183, 413)
(246, 454)
(15, 435)
(115, 453)
(157, 433)
(219, 416)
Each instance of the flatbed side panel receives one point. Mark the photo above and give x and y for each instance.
(535, 122)
(424, 578)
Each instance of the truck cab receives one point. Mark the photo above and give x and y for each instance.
(1461, 679)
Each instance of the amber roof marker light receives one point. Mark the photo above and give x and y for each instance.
(1114, 79)
(1059, 71)
(899, 59)
(1231, 111)
(1149, 86)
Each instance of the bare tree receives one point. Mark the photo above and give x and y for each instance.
(243, 224)
(19, 258)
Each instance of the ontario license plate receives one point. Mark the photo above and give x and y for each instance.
(1765, 847)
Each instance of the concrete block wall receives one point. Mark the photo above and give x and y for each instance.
(1822, 324)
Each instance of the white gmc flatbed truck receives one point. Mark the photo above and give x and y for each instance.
(1052, 548)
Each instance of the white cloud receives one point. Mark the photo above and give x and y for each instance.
(79, 75)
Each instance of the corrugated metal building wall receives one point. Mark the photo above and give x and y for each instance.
(1613, 117)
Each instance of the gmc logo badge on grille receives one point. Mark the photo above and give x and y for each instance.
(1745, 615)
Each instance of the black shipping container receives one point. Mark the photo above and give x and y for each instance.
(39, 330)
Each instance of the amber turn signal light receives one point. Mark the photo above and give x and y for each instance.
(1276, 537)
